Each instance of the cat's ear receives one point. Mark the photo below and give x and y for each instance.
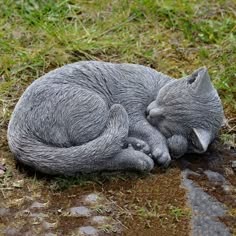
(200, 81)
(203, 138)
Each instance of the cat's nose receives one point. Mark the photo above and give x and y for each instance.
(151, 106)
(147, 114)
(153, 113)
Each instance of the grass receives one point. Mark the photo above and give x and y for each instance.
(177, 213)
(174, 37)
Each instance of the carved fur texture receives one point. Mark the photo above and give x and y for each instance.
(94, 116)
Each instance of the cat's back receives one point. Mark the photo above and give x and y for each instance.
(99, 69)
(105, 78)
(96, 75)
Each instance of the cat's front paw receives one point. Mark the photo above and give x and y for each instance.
(177, 145)
(161, 157)
(139, 145)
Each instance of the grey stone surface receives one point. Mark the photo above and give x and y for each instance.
(205, 210)
(209, 226)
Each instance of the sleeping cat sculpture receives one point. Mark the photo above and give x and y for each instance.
(94, 116)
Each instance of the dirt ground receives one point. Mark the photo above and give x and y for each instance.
(142, 205)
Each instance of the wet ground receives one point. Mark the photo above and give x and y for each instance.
(196, 195)
(210, 181)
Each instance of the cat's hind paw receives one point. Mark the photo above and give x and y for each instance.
(130, 159)
(139, 145)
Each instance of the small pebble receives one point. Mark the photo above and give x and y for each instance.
(39, 216)
(88, 230)
(80, 211)
(2, 172)
(92, 198)
(100, 219)
(227, 188)
(233, 164)
(11, 231)
(37, 205)
(46, 225)
(214, 176)
(4, 211)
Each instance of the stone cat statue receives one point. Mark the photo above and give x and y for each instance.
(81, 117)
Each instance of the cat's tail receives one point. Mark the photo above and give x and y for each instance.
(89, 157)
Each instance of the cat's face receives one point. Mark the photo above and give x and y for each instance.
(189, 107)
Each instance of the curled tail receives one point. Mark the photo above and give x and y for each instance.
(86, 158)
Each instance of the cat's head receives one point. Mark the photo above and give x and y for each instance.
(189, 107)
